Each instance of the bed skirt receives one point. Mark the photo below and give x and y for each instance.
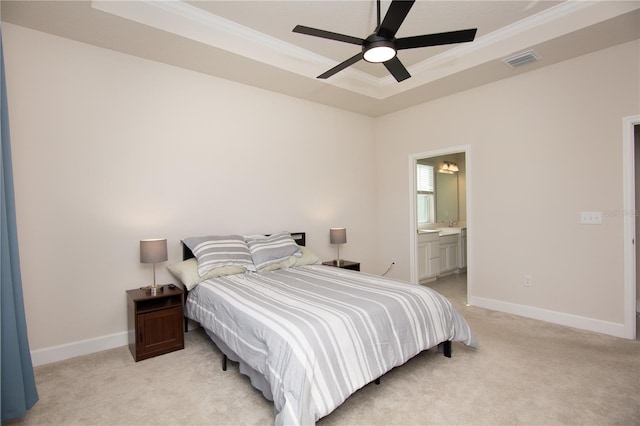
(258, 381)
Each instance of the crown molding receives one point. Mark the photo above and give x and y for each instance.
(185, 20)
(188, 21)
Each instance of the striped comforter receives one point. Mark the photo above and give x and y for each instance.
(318, 334)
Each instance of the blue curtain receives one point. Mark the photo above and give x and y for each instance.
(19, 392)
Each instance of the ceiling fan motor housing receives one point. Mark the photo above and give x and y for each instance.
(378, 49)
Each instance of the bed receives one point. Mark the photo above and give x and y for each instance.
(308, 335)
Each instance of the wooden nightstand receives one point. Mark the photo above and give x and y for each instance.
(155, 322)
(344, 264)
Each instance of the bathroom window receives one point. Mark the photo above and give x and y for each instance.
(425, 195)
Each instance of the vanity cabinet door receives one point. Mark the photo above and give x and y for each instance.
(448, 253)
(423, 261)
(428, 256)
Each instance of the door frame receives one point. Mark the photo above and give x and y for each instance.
(413, 225)
(629, 212)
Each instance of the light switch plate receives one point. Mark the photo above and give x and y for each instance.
(591, 218)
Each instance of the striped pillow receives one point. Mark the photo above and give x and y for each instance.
(272, 249)
(215, 251)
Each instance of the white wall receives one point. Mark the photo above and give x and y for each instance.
(544, 146)
(109, 149)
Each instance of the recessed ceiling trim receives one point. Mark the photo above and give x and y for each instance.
(188, 21)
(232, 30)
(530, 24)
(180, 18)
(539, 28)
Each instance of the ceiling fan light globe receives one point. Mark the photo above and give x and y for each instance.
(378, 54)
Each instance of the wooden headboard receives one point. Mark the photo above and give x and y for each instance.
(299, 237)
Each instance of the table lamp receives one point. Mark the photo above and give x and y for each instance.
(153, 251)
(338, 236)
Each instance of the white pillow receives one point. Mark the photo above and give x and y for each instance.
(187, 272)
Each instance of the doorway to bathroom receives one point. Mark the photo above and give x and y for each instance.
(440, 215)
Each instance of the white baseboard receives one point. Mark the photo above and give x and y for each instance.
(97, 344)
(85, 347)
(584, 323)
(74, 349)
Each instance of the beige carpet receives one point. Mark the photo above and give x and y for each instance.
(525, 372)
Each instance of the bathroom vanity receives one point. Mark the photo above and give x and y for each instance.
(441, 252)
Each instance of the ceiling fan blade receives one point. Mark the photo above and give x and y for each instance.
(438, 39)
(327, 34)
(397, 70)
(398, 11)
(342, 66)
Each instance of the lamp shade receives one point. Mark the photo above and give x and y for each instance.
(153, 250)
(338, 235)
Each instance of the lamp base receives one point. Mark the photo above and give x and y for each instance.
(154, 290)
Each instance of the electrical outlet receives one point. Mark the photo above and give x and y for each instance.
(591, 218)
(528, 280)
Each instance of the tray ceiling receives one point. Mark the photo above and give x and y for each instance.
(251, 42)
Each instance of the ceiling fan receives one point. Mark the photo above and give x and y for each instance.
(382, 46)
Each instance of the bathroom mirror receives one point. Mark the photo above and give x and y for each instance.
(446, 198)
